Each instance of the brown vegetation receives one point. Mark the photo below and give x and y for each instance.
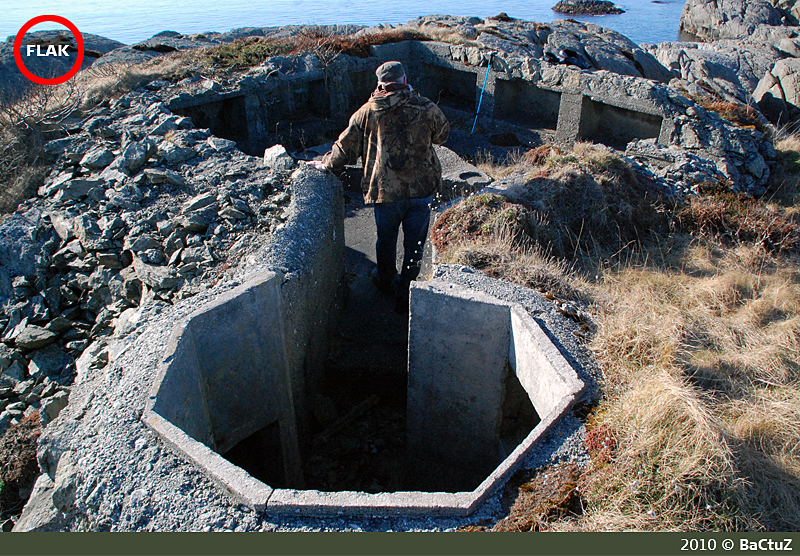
(21, 172)
(735, 218)
(18, 465)
(739, 114)
(697, 334)
(588, 201)
(249, 52)
(27, 121)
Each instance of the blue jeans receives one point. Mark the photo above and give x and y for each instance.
(414, 215)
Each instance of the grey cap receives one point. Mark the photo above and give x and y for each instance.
(390, 72)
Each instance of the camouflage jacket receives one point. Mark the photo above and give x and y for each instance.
(394, 133)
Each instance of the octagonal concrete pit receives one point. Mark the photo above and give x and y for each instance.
(484, 384)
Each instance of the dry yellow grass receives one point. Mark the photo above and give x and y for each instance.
(513, 163)
(115, 79)
(699, 344)
(528, 266)
(703, 393)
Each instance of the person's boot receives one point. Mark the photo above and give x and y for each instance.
(385, 286)
(401, 304)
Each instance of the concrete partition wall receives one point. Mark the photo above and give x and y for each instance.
(458, 346)
(232, 353)
(459, 343)
(179, 396)
(227, 374)
(239, 340)
(542, 371)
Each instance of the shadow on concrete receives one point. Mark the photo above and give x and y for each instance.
(360, 417)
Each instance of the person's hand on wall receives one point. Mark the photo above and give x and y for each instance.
(317, 164)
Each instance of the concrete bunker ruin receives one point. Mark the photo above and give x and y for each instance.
(615, 126)
(227, 116)
(479, 398)
(521, 102)
(448, 87)
(310, 105)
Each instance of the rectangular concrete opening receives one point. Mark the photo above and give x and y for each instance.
(363, 83)
(309, 99)
(522, 103)
(261, 455)
(449, 88)
(614, 126)
(225, 118)
(299, 114)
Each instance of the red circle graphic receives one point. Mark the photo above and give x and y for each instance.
(55, 19)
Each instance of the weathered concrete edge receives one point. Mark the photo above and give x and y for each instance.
(182, 327)
(316, 503)
(462, 292)
(234, 480)
(513, 461)
(575, 386)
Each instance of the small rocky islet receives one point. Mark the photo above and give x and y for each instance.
(587, 7)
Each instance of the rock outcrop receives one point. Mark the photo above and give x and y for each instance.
(11, 79)
(710, 20)
(750, 57)
(574, 43)
(728, 68)
(587, 7)
(778, 93)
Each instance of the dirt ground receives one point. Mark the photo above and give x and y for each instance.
(530, 502)
(18, 467)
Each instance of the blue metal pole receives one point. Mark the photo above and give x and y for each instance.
(480, 100)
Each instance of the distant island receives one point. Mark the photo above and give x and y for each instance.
(587, 7)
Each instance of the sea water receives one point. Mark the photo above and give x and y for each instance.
(644, 21)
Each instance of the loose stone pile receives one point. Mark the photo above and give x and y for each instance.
(139, 206)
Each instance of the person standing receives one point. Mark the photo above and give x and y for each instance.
(394, 133)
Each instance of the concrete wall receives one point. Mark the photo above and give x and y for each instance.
(226, 117)
(542, 371)
(309, 105)
(615, 126)
(455, 386)
(448, 87)
(253, 356)
(310, 252)
(521, 102)
(228, 374)
(455, 380)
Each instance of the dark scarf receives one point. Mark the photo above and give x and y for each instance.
(384, 89)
